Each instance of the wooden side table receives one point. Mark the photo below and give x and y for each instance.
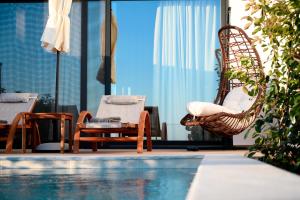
(63, 118)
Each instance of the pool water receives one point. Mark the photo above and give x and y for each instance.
(106, 184)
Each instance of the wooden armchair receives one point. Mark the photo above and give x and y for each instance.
(133, 126)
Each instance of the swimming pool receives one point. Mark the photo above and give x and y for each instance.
(124, 178)
(97, 184)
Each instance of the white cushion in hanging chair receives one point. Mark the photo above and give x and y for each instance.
(238, 100)
(198, 108)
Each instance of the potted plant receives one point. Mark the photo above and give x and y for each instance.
(277, 29)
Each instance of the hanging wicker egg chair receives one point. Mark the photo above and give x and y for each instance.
(234, 44)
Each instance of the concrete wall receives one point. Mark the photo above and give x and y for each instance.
(237, 12)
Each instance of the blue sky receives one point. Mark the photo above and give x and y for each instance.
(134, 54)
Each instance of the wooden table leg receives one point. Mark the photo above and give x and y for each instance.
(94, 146)
(70, 135)
(76, 140)
(148, 133)
(62, 134)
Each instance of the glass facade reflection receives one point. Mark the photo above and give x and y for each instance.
(164, 50)
(26, 66)
(96, 19)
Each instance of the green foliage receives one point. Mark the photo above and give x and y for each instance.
(251, 83)
(46, 99)
(218, 55)
(45, 103)
(277, 137)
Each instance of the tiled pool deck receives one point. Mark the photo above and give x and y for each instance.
(220, 175)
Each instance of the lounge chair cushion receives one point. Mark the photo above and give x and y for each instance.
(122, 100)
(128, 113)
(14, 97)
(238, 100)
(8, 111)
(197, 108)
(109, 119)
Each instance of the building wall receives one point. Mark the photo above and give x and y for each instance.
(237, 12)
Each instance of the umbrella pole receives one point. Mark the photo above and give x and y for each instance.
(57, 81)
(54, 122)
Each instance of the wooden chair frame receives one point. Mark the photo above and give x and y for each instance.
(19, 122)
(129, 132)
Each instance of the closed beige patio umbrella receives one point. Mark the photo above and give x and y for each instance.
(56, 36)
(113, 42)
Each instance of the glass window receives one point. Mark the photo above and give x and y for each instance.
(27, 67)
(165, 51)
(96, 21)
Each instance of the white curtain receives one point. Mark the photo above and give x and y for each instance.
(185, 39)
(56, 36)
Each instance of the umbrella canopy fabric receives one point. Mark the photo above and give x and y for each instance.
(113, 42)
(56, 36)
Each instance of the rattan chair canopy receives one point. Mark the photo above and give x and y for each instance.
(234, 44)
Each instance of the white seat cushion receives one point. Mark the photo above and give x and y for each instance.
(238, 100)
(8, 111)
(197, 108)
(129, 112)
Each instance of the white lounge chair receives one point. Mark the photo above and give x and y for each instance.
(134, 123)
(12, 109)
